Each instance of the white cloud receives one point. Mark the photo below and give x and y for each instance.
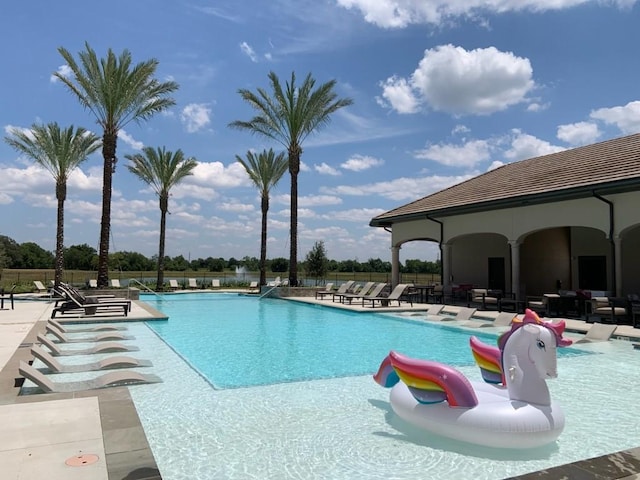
(402, 13)
(358, 163)
(64, 70)
(129, 140)
(481, 81)
(461, 82)
(308, 200)
(249, 52)
(466, 155)
(626, 118)
(525, 146)
(399, 189)
(195, 116)
(399, 95)
(353, 215)
(580, 133)
(324, 169)
(216, 174)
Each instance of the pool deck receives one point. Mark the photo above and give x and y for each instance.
(97, 434)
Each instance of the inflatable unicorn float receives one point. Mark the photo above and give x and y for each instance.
(512, 408)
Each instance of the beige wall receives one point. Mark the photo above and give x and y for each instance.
(552, 237)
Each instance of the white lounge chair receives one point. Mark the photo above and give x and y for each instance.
(503, 319)
(98, 328)
(111, 379)
(101, 337)
(193, 283)
(344, 288)
(93, 283)
(253, 287)
(395, 296)
(215, 283)
(106, 347)
(173, 283)
(598, 332)
(328, 290)
(368, 288)
(40, 286)
(106, 364)
(115, 283)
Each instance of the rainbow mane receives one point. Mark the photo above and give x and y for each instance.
(532, 317)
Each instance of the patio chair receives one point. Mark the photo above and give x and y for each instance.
(106, 364)
(215, 283)
(40, 286)
(365, 290)
(77, 303)
(484, 297)
(344, 288)
(193, 283)
(111, 379)
(610, 309)
(173, 283)
(98, 328)
(328, 290)
(385, 300)
(93, 283)
(101, 337)
(115, 283)
(106, 347)
(253, 287)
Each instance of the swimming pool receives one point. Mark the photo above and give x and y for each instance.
(343, 428)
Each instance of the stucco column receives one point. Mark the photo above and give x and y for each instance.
(515, 268)
(446, 264)
(395, 266)
(617, 243)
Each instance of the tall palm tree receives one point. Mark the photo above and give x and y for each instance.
(162, 170)
(289, 116)
(116, 93)
(60, 151)
(265, 171)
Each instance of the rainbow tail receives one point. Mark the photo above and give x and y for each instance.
(386, 376)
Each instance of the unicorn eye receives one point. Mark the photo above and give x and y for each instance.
(541, 345)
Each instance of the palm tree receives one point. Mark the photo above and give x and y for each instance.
(265, 171)
(289, 116)
(116, 93)
(162, 170)
(59, 151)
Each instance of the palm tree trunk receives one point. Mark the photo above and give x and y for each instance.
(263, 241)
(164, 206)
(109, 140)
(61, 195)
(294, 169)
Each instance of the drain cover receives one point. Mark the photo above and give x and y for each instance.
(82, 460)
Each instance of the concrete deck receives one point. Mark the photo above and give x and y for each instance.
(91, 435)
(97, 435)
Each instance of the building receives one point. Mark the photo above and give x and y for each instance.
(568, 220)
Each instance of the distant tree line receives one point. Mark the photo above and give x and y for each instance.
(84, 257)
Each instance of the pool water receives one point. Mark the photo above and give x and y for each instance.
(235, 341)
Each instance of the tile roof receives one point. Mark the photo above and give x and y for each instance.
(612, 164)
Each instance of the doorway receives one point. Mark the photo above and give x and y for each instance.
(496, 273)
(592, 272)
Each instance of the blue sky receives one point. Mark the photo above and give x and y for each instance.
(442, 91)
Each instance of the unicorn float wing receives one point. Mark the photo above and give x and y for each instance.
(442, 400)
